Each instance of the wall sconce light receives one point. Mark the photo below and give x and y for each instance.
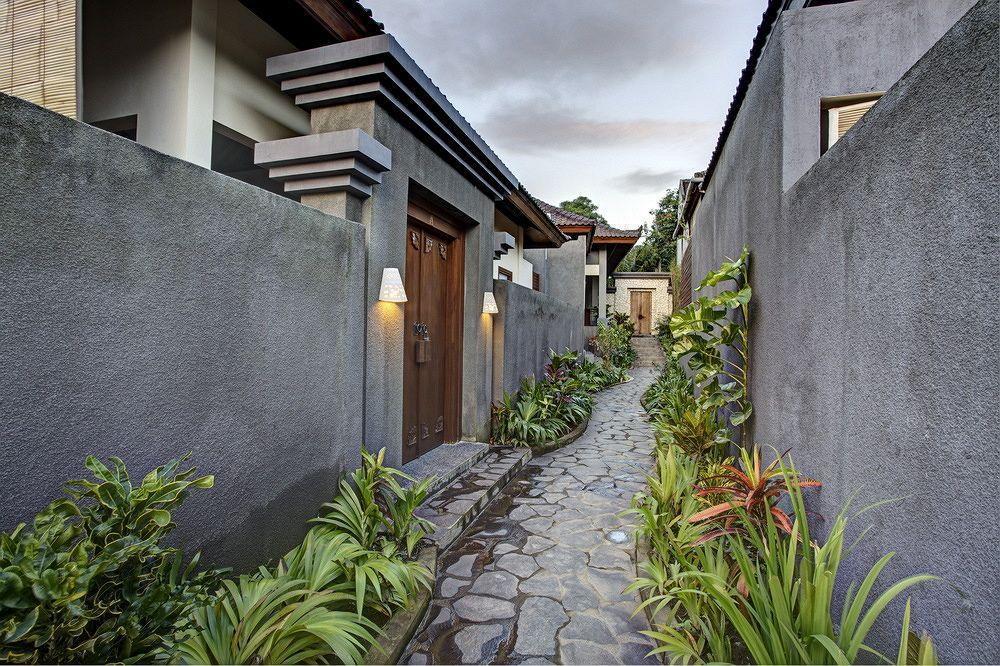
(489, 303)
(391, 290)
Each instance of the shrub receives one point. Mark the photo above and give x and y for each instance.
(542, 411)
(614, 341)
(731, 576)
(784, 613)
(328, 596)
(90, 581)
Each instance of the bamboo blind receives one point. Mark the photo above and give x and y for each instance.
(38, 52)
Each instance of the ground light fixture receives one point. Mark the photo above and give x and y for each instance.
(489, 303)
(391, 290)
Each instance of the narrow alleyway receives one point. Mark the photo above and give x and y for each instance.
(538, 578)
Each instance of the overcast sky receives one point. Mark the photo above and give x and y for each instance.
(615, 99)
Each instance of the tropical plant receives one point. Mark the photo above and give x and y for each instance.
(705, 329)
(614, 341)
(278, 620)
(784, 613)
(696, 432)
(90, 581)
(375, 510)
(748, 495)
(543, 410)
(328, 596)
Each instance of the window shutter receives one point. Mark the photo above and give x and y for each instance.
(849, 115)
(38, 52)
(536, 281)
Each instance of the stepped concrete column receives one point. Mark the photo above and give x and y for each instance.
(331, 171)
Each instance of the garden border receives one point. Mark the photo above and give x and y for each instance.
(397, 632)
(560, 442)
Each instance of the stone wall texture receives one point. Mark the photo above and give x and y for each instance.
(149, 308)
(874, 319)
(661, 298)
(530, 325)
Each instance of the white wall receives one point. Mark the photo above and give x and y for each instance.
(136, 61)
(245, 101)
(514, 260)
(662, 305)
(180, 64)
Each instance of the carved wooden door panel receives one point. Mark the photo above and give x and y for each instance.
(426, 340)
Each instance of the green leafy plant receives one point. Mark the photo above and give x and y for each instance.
(696, 432)
(785, 614)
(749, 495)
(327, 598)
(278, 620)
(91, 580)
(543, 410)
(613, 341)
(707, 327)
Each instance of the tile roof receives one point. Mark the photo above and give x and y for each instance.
(607, 231)
(565, 218)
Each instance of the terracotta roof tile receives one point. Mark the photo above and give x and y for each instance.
(565, 218)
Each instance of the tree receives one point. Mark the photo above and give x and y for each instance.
(658, 251)
(583, 206)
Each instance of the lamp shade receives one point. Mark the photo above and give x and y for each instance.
(391, 290)
(489, 303)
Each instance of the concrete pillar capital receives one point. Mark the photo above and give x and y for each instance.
(344, 161)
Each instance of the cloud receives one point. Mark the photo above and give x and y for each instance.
(647, 180)
(542, 125)
(555, 44)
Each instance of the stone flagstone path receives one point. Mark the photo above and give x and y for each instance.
(538, 578)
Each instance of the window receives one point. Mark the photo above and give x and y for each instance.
(840, 114)
(504, 274)
(536, 281)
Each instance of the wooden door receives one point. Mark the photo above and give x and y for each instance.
(641, 306)
(431, 339)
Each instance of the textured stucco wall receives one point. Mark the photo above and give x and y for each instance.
(149, 307)
(530, 325)
(661, 300)
(384, 217)
(874, 322)
(842, 50)
(562, 273)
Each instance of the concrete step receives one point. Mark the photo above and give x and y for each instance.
(446, 463)
(456, 505)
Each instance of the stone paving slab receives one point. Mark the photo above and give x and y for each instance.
(539, 576)
(454, 507)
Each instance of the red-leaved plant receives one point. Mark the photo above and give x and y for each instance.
(752, 491)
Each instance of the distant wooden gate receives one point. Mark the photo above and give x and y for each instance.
(432, 356)
(641, 308)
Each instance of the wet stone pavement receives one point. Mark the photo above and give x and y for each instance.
(538, 578)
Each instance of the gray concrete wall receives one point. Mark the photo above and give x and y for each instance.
(384, 217)
(874, 325)
(562, 271)
(854, 47)
(149, 307)
(530, 325)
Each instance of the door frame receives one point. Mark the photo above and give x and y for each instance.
(636, 296)
(421, 214)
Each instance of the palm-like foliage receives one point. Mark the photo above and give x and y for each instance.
(543, 410)
(326, 597)
(278, 620)
(749, 495)
(785, 615)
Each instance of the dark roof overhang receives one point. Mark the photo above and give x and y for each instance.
(539, 230)
(311, 23)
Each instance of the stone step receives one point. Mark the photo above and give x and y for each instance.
(446, 463)
(456, 505)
